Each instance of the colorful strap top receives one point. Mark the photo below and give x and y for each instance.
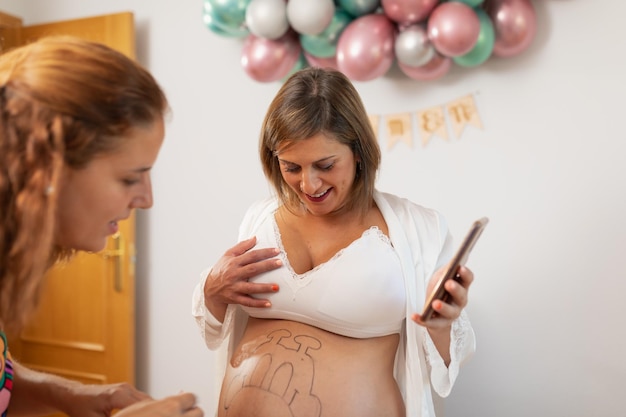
(6, 375)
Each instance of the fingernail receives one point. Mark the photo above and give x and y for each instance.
(274, 287)
(268, 304)
(279, 262)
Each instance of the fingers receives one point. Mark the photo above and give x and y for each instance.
(242, 247)
(449, 310)
(228, 281)
(181, 405)
(187, 401)
(257, 261)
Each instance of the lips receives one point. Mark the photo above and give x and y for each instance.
(316, 198)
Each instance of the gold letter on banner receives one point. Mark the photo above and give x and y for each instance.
(463, 111)
(432, 121)
(399, 129)
(374, 122)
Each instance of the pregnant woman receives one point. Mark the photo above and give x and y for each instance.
(314, 308)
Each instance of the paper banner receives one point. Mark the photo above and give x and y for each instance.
(431, 122)
(399, 129)
(463, 112)
(374, 118)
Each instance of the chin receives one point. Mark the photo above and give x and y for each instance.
(95, 246)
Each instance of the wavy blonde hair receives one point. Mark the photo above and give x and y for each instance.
(63, 101)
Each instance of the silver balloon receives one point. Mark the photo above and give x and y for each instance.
(310, 17)
(267, 18)
(413, 48)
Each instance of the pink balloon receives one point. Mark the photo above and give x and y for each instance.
(407, 12)
(436, 68)
(315, 61)
(266, 60)
(515, 25)
(453, 28)
(365, 49)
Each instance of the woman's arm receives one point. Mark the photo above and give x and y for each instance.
(38, 393)
(440, 326)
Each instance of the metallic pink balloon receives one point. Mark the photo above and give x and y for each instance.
(267, 60)
(365, 49)
(515, 25)
(436, 68)
(453, 28)
(407, 12)
(315, 61)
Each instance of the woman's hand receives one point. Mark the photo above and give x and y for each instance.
(103, 400)
(440, 323)
(447, 312)
(227, 283)
(181, 405)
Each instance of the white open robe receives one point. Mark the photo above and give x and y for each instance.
(423, 243)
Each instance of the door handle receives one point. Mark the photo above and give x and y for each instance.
(117, 254)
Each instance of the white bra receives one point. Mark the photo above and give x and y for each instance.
(358, 293)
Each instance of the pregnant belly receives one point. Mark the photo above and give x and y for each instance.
(283, 368)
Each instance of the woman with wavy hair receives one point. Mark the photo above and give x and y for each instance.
(81, 126)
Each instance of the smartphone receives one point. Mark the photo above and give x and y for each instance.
(459, 259)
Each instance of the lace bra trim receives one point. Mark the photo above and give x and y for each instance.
(298, 277)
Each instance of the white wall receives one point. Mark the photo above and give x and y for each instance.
(547, 169)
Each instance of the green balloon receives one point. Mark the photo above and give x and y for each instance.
(324, 45)
(226, 18)
(471, 3)
(484, 45)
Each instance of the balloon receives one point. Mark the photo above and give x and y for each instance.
(407, 12)
(358, 8)
(325, 44)
(213, 22)
(515, 25)
(484, 45)
(229, 15)
(266, 60)
(300, 64)
(471, 3)
(315, 61)
(412, 46)
(453, 28)
(267, 18)
(436, 68)
(310, 17)
(365, 48)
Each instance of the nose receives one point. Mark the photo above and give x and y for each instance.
(310, 182)
(143, 199)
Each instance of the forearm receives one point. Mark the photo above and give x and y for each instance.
(441, 338)
(37, 393)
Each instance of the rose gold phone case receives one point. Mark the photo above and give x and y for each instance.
(459, 259)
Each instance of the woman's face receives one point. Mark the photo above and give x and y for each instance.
(321, 170)
(93, 199)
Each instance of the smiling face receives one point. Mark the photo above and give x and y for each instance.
(321, 171)
(93, 199)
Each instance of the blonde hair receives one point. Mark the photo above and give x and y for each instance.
(63, 101)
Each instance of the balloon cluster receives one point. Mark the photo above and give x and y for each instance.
(363, 38)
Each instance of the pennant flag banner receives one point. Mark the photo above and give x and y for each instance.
(431, 122)
(399, 129)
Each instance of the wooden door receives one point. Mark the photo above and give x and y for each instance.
(84, 328)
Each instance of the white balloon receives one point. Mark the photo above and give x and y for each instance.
(310, 17)
(413, 48)
(267, 18)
